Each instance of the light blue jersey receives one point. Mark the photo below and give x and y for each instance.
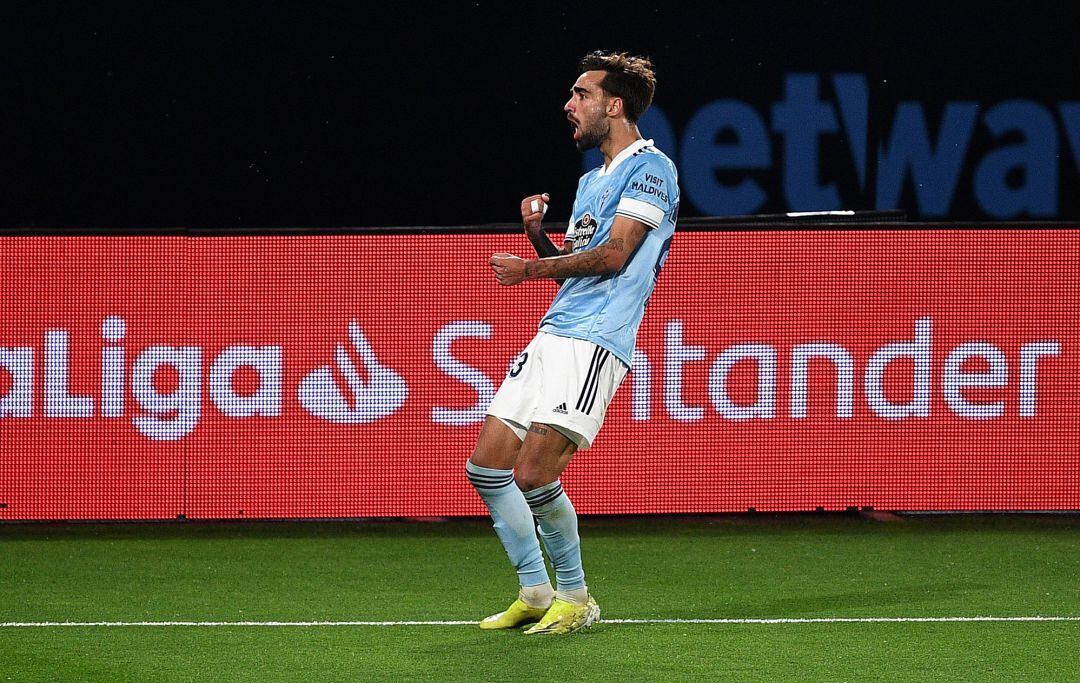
(640, 183)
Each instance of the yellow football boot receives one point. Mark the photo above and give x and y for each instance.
(517, 614)
(566, 617)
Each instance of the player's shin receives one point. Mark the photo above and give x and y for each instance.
(558, 524)
(513, 521)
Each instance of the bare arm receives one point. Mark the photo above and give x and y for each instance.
(545, 248)
(609, 257)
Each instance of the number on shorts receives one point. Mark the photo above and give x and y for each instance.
(518, 363)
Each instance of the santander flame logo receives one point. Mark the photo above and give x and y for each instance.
(379, 396)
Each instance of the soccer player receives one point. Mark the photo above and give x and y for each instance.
(553, 399)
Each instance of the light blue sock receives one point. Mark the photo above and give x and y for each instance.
(513, 521)
(559, 531)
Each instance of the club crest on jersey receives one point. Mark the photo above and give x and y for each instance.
(584, 230)
(603, 199)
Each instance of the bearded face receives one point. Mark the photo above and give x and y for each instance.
(592, 130)
(586, 110)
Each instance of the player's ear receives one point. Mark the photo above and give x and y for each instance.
(615, 107)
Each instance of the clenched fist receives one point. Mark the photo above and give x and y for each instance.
(532, 211)
(509, 269)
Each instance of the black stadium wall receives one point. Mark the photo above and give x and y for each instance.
(247, 114)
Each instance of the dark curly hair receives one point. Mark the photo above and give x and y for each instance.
(628, 77)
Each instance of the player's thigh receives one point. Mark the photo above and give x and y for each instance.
(544, 455)
(497, 446)
(580, 379)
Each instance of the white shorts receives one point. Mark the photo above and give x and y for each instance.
(566, 383)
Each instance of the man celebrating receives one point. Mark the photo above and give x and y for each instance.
(557, 391)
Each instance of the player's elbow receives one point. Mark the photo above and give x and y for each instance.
(615, 257)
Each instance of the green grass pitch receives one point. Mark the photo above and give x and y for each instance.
(760, 566)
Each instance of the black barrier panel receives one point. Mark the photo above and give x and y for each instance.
(151, 115)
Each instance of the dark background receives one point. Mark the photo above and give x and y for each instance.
(339, 114)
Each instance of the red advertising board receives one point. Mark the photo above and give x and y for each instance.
(347, 375)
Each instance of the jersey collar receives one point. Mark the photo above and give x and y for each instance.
(622, 156)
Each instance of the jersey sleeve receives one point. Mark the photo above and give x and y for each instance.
(647, 196)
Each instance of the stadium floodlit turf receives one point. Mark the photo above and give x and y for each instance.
(726, 567)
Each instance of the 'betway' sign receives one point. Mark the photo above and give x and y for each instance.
(726, 142)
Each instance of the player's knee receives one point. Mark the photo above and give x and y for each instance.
(497, 447)
(478, 457)
(529, 477)
(495, 456)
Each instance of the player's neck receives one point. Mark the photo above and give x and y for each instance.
(620, 137)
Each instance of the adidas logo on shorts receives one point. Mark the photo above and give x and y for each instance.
(561, 408)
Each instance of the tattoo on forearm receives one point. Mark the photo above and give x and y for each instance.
(584, 263)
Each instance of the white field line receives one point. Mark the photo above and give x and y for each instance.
(472, 622)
